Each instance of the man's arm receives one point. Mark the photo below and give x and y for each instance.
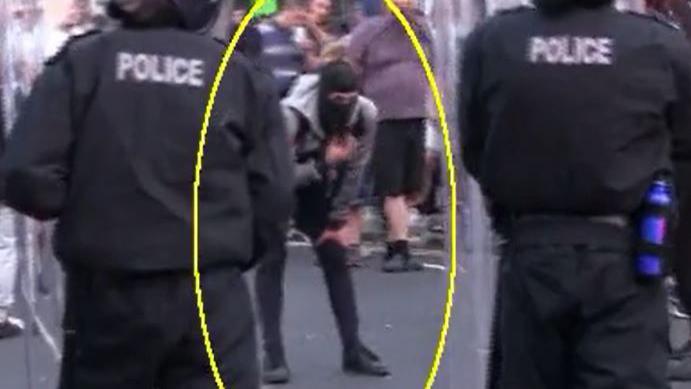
(36, 165)
(304, 172)
(269, 172)
(471, 117)
(279, 151)
(357, 44)
(270, 175)
(347, 192)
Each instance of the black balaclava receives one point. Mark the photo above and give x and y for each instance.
(338, 76)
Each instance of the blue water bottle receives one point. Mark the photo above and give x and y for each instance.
(653, 228)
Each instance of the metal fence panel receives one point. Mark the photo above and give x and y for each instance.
(39, 294)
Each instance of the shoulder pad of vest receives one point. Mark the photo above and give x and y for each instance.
(69, 42)
(656, 17)
(516, 9)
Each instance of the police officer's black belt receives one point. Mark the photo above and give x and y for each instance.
(615, 220)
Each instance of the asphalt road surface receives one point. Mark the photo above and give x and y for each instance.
(400, 318)
(400, 314)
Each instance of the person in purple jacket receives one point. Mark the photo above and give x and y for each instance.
(394, 79)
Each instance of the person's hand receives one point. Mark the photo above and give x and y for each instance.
(298, 18)
(307, 45)
(290, 19)
(339, 149)
(309, 23)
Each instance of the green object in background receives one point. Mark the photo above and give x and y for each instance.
(268, 8)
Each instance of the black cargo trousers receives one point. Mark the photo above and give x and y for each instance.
(126, 330)
(572, 313)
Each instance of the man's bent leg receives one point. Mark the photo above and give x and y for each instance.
(389, 164)
(339, 284)
(357, 358)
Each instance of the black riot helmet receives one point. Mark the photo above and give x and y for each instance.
(195, 15)
(552, 7)
(198, 15)
(144, 13)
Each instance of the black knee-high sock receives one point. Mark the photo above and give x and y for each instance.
(332, 256)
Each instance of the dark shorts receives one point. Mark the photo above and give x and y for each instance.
(142, 331)
(312, 210)
(573, 315)
(399, 157)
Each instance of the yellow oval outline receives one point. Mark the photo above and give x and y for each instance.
(451, 175)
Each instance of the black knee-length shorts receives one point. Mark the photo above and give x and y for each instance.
(399, 157)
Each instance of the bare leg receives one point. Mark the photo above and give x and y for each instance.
(396, 211)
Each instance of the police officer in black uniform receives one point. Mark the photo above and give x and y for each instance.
(568, 112)
(107, 144)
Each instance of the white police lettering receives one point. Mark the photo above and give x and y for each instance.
(570, 50)
(159, 69)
